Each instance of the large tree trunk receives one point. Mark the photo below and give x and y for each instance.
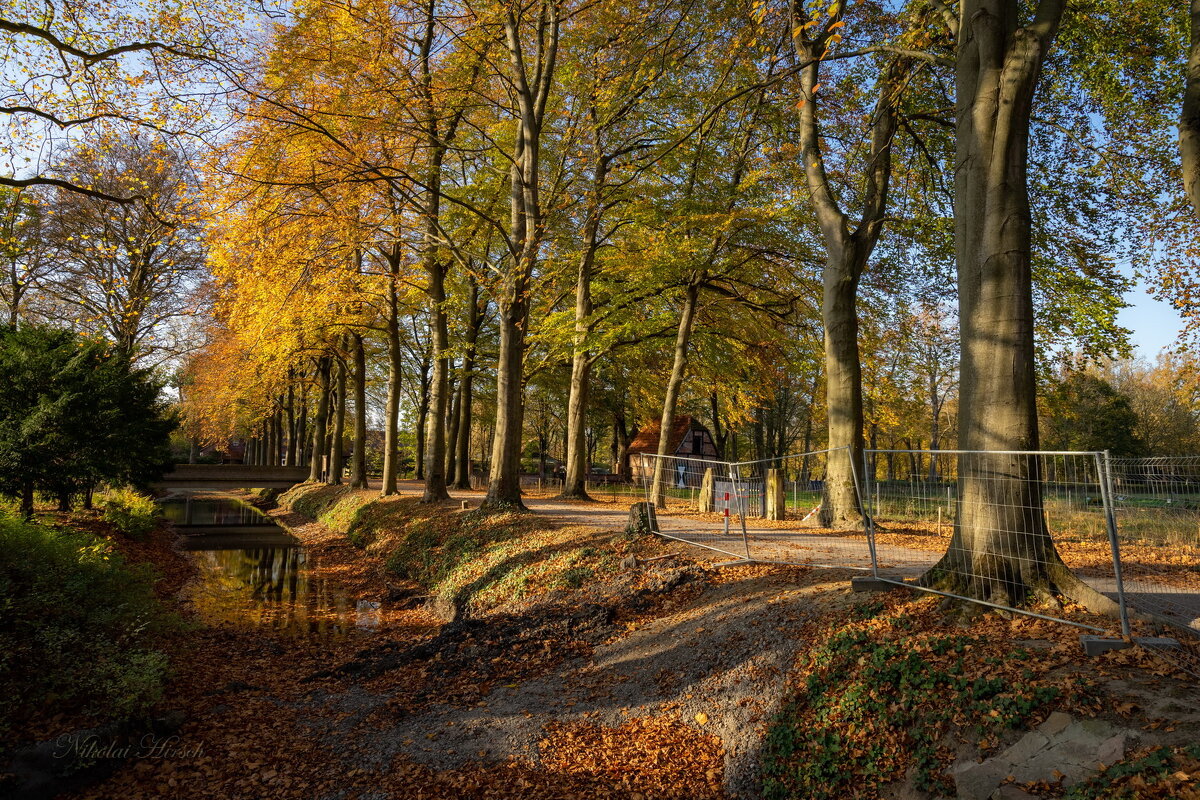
(337, 445)
(840, 506)
(532, 91)
(302, 427)
(358, 464)
(683, 336)
(320, 424)
(504, 486)
(623, 436)
(391, 431)
(26, 500)
(1189, 119)
(575, 481)
(847, 252)
(454, 419)
(289, 456)
(463, 478)
(1000, 550)
(435, 422)
(422, 416)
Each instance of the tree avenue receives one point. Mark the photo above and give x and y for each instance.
(485, 245)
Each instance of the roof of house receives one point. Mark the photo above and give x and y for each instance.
(647, 439)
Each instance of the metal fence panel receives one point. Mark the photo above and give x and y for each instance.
(765, 511)
(686, 494)
(1157, 507)
(1015, 504)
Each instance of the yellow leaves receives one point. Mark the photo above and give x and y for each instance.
(701, 718)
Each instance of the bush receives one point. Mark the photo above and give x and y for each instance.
(133, 514)
(77, 627)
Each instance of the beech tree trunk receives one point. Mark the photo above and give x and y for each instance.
(687, 319)
(533, 74)
(422, 417)
(504, 486)
(840, 506)
(337, 444)
(847, 251)
(358, 463)
(302, 427)
(1000, 550)
(320, 424)
(289, 456)
(575, 480)
(391, 445)
(452, 423)
(466, 387)
(435, 421)
(1189, 119)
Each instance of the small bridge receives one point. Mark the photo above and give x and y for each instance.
(215, 477)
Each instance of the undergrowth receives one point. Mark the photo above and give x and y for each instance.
(1163, 772)
(882, 697)
(78, 626)
(130, 512)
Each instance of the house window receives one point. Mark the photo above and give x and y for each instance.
(697, 442)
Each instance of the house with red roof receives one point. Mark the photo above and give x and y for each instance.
(689, 442)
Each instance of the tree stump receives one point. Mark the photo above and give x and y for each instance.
(641, 519)
(706, 491)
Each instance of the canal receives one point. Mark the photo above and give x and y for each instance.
(252, 572)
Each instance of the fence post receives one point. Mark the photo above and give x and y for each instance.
(733, 476)
(864, 499)
(1104, 473)
(706, 491)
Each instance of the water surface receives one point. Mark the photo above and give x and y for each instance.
(254, 573)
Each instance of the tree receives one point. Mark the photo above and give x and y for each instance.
(1083, 411)
(122, 271)
(25, 252)
(91, 70)
(1000, 550)
(74, 411)
(849, 243)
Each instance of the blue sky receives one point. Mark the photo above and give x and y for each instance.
(1155, 324)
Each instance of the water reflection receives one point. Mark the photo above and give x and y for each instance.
(252, 572)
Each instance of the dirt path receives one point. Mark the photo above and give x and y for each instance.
(717, 663)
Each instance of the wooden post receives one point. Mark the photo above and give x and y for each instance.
(776, 500)
(706, 491)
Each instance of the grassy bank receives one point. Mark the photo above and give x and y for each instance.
(475, 560)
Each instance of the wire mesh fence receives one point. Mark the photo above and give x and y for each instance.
(765, 511)
(1004, 529)
(998, 528)
(1157, 507)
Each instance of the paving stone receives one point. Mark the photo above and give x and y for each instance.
(1111, 750)
(1073, 748)
(1055, 723)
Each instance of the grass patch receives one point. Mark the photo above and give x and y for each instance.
(880, 697)
(78, 627)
